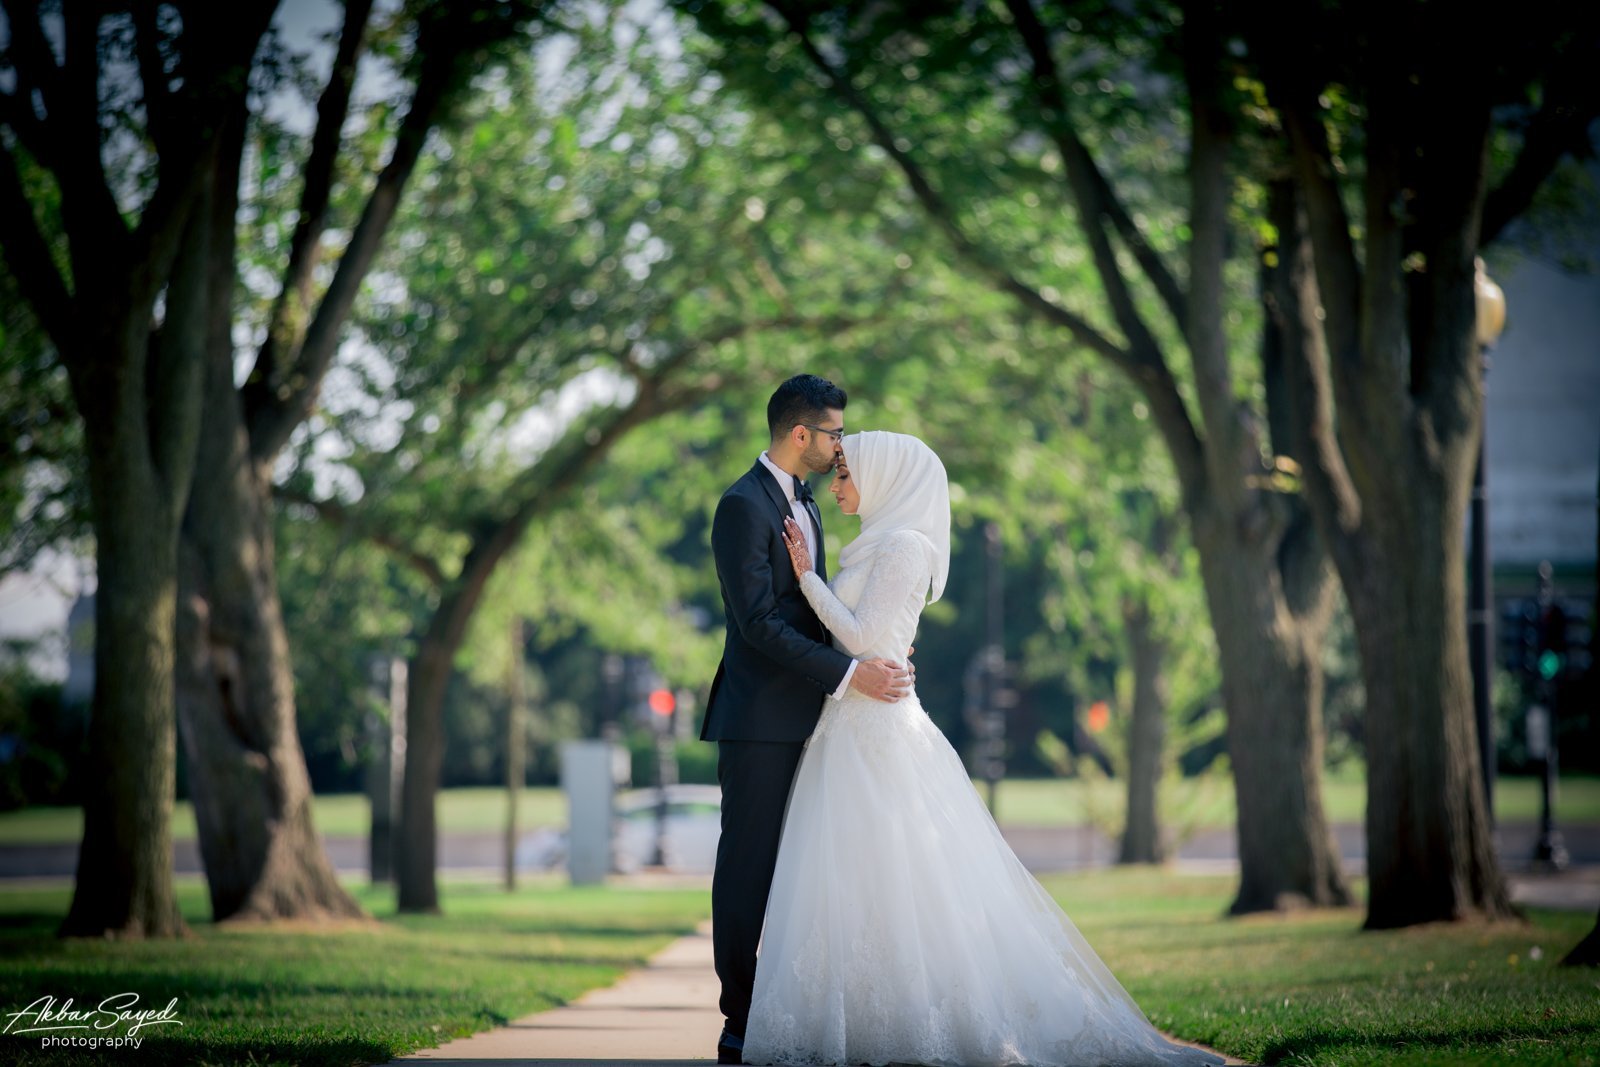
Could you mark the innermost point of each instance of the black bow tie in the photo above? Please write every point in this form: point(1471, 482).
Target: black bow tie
point(802, 491)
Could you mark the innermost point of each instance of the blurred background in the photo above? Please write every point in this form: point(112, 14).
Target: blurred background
point(432, 394)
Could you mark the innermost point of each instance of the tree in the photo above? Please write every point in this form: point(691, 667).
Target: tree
point(1380, 303)
point(894, 83)
point(1124, 609)
point(125, 306)
point(236, 702)
point(628, 294)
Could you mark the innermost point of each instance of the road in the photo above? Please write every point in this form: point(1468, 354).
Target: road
point(1043, 850)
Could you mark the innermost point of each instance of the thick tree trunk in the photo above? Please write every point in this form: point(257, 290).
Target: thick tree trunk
point(235, 686)
point(1430, 849)
point(124, 879)
point(1272, 686)
point(1391, 338)
point(1142, 840)
point(247, 773)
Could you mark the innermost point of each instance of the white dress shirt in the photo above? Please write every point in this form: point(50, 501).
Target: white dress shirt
point(785, 482)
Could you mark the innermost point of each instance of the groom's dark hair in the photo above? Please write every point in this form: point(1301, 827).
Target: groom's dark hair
point(805, 398)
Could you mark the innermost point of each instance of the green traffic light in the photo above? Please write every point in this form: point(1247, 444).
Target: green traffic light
point(1549, 664)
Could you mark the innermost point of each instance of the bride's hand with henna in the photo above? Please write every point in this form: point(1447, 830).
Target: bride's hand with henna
point(794, 539)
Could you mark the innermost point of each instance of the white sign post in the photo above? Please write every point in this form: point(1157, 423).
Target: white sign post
point(587, 779)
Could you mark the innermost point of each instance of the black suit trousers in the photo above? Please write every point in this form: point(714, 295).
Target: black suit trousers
point(755, 777)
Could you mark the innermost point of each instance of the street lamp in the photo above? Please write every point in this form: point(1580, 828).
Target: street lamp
point(1491, 319)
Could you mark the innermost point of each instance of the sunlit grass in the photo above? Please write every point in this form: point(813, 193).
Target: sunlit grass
point(1308, 988)
point(337, 815)
point(1312, 988)
point(1069, 801)
point(359, 994)
point(1022, 802)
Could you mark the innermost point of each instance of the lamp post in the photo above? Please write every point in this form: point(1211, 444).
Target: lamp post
point(1491, 319)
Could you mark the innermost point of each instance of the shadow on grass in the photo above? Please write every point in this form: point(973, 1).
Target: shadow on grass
point(155, 986)
point(1319, 1047)
point(519, 927)
point(311, 1052)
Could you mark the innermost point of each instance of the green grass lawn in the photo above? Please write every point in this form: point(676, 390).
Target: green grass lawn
point(353, 996)
point(337, 815)
point(1312, 988)
point(1209, 801)
point(1022, 802)
point(1301, 989)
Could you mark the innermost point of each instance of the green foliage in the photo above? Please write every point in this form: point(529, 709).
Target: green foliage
point(40, 741)
point(43, 479)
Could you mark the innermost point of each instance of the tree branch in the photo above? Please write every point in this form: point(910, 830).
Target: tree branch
point(153, 73)
point(1292, 303)
point(940, 212)
point(32, 56)
point(30, 262)
point(1560, 128)
point(1096, 198)
point(1141, 363)
point(286, 325)
point(89, 213)
point(1357, 378)
point(282, 405)
point(341, 516)
point(16, 111)
point(1211, 140)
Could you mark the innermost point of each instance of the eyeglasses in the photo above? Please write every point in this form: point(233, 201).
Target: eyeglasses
point(837, 435)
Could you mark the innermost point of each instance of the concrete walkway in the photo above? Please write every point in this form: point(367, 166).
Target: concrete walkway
point(662, 1015)
point(665, 1013)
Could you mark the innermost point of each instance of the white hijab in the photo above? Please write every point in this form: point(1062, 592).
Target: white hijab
point(903, 486)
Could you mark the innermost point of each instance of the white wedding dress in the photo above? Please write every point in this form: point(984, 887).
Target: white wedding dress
point(901, 927)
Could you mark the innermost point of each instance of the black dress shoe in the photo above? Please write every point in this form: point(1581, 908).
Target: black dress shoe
point(730, 1048)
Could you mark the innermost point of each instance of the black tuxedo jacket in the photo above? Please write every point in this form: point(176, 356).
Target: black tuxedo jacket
point(776, 663)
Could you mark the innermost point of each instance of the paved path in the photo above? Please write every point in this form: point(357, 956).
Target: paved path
point(663, 1015)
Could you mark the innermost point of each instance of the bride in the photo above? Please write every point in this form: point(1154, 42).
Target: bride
point(901, 927)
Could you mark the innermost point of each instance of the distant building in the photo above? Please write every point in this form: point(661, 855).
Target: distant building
point(79, 686)
point(1543, 427)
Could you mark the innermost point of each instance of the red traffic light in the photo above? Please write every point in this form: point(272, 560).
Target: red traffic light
point(1099, 716)
point(662, 702)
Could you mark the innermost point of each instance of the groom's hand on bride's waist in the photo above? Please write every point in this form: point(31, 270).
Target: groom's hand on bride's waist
point(882, 679)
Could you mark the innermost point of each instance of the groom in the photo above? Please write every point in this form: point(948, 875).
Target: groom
point(777, 666)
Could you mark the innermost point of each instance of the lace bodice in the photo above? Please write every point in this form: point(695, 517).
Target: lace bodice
point(872, 608)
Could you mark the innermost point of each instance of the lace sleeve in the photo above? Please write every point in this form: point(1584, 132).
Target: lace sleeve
point(899, 569)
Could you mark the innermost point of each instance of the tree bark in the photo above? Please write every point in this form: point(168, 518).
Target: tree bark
point(124, 877)
point(252, 793)
point(1272, 686)
point(138, 391)
point(235, 686)
point(1389, 484)
point(1142, 840)
point(137, 379)
point(264, 858)
point(427, 681)
point(1430, 849)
